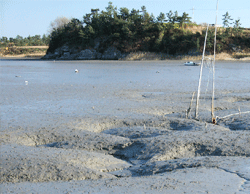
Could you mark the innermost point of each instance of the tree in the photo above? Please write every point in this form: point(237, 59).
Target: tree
point(170, 17)
point(111, 10)
point(226, 19)
point(237, 23)
point(94, 11)
point(58, 23)
point(45, 39)
point(176, 17)
point(143, 9)
point(161, 17)
point(145, 16)
point(18, 40)
point(184, 19)
point(124, 13)
point(4, 41)
point(236, 29)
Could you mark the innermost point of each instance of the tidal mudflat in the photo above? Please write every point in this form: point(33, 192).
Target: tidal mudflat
point(121, 127)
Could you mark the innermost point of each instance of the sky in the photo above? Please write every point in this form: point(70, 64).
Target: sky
point(33, 17)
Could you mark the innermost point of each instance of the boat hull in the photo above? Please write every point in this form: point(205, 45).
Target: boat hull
point(191, 64)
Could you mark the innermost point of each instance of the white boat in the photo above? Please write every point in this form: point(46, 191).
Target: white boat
point(191, 63)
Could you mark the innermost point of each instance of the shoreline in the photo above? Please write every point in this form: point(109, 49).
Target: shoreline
point(143, 56)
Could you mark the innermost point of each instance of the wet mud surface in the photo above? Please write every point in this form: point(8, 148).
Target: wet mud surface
point(118, 127)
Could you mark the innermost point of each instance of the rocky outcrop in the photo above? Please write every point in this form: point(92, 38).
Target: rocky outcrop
point(87, 54)
point(67, 53)
point(112, 53)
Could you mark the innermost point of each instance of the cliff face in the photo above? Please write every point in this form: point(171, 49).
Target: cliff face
point(67, 53)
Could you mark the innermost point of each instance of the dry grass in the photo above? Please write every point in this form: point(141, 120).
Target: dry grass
point(195, 29)
point(39, 47)
point(220, 56)
point(140, 56)
point(23, 51)
point(31, 55)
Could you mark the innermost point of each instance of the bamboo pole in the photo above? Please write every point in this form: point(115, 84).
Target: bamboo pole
point(199, 86)
point(215, 32)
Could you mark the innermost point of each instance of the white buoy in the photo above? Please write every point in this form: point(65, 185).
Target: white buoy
point(26, 83)
point(76, 70)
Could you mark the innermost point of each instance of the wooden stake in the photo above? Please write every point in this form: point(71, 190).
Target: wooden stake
point(215, 32)
point(190, 106)
point(199, 86)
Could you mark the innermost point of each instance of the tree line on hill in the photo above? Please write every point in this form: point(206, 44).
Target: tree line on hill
point(137, 30)
point(134, 30)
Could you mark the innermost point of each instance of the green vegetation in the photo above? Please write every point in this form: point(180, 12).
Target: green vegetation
point(36, 40)
point(138, 31)
point(126, 30)
point(20, 45)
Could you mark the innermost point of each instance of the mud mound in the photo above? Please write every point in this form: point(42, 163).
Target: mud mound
point(24, 163)
point(78, 154)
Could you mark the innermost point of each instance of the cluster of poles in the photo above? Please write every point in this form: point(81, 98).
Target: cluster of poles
point(213, 117)
point(213, 68)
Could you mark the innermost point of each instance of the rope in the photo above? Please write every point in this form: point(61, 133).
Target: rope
point(239, 113)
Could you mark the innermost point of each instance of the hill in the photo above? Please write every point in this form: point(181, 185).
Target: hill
point(113, 34)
